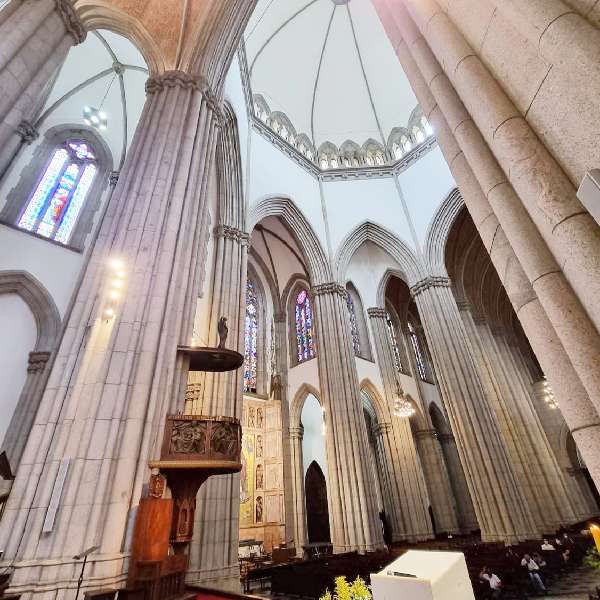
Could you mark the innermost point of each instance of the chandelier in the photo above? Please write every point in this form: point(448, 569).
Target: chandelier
point(402, 406)
point(549, 397)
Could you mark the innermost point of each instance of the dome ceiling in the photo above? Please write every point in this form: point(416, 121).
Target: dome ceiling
point(329, 67)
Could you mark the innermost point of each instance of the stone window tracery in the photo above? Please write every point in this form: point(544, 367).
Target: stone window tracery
point(303, 319)
point(251, 339)
point(60, 193)
point(353, 325)
point(418, 352)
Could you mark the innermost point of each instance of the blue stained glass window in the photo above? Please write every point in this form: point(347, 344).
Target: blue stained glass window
point(250, 338)
point(353, 325)
point(304, 327)
point(60, 194)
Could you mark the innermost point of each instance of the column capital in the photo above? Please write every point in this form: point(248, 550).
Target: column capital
point(463, 305)
point(445, 437)
point(296, 433)
point(232, 233)
point(429, 282)
point(198, 83)
point(377, 313)
point(37, 361)
point(73, 23)
point(426, 433)
point(382, 428)
point(328, 288)
point(27, 131)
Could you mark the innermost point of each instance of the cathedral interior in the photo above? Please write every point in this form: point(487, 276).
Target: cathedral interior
point(288, 287)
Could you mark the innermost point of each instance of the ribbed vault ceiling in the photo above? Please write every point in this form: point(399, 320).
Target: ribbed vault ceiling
point(329, 66)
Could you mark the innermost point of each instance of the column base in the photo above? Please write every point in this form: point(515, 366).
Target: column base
point(51, 578)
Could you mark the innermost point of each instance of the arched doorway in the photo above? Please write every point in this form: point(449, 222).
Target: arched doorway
point(317, 512)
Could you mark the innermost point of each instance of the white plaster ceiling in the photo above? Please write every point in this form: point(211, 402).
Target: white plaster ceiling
point(329, 66)
point(122, 101)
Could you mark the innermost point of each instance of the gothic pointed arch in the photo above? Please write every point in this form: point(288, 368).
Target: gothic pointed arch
point(389, 242)
point(358, 324)
point(298, 401)
point(434, 249)
point(99, 14)
point(378, 404)
point(300, 229)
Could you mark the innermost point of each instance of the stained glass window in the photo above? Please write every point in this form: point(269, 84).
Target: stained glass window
point(394, 344)
point(250, 338)
point(416, 344)
point(304, 327)
point(353, 325)
point(61, 191)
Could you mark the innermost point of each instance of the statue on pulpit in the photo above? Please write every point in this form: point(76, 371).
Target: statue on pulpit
point(222, 330)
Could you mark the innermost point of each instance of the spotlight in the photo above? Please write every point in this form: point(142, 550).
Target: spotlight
point(114, 295)
point(109, 313)
point(117, 264)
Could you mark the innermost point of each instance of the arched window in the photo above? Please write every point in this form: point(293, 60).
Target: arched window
point(394, 344)
point(334, 162)
point(406, 143)
point(251, 339)
point(418, 135)
point(309, 155)
point(379, 158)
point(369, 159)
point(397, 150)
point(353, 325)
point(419, 355)
point(324, 163)
point(426, 126)
point(59, 195)
point(304, 327)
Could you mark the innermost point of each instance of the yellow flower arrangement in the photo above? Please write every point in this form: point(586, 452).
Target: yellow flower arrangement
point(358, 590)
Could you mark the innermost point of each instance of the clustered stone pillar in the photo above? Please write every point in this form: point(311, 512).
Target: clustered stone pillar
point(35, 40)
point(502, 511)
point(115, 378)
point(214, 550)
point(24, 415)
point(407, 494)
point(441, 495)
point(532, 458)
point(351, 497)
point(519, 255)
point(298, 495)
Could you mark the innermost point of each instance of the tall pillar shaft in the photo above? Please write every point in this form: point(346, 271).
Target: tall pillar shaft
point(547, 327)
point(34, 42)
point(493, 192)
point(408, 498)
point(351, 497)
point(441, 494)
point(101, 417)
point(298, 493)
point(501, 509)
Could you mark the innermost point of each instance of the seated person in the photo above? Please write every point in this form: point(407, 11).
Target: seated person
point(533, 570)
point(546, 546)
point(493, 580)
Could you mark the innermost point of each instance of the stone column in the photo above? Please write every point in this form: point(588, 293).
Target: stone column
point(34, 42)
point(441, 494)
point(491, 191)
point(465, 513)
point(298, 493)
point(501, 509)
point(547, 327)
point(115, 377)
point(408, 499)
point(351, 495)
point(24, 415)
point(532, 457)
point(215, 548)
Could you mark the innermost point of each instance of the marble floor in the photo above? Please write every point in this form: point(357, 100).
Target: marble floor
point(577, 585)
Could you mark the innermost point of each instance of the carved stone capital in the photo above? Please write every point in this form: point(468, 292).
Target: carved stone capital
point(426, 434)
point(328, 288)
point(463, 305)
point(377, 313)
point(113, 178)
point(231, 233)
point(173, 79)
point(37, 361)
point(382, 428)
point(73, 23)
point(429, 282)
point(478, 318)
point(445, 438)
point(297, 433)
point(27, 131)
